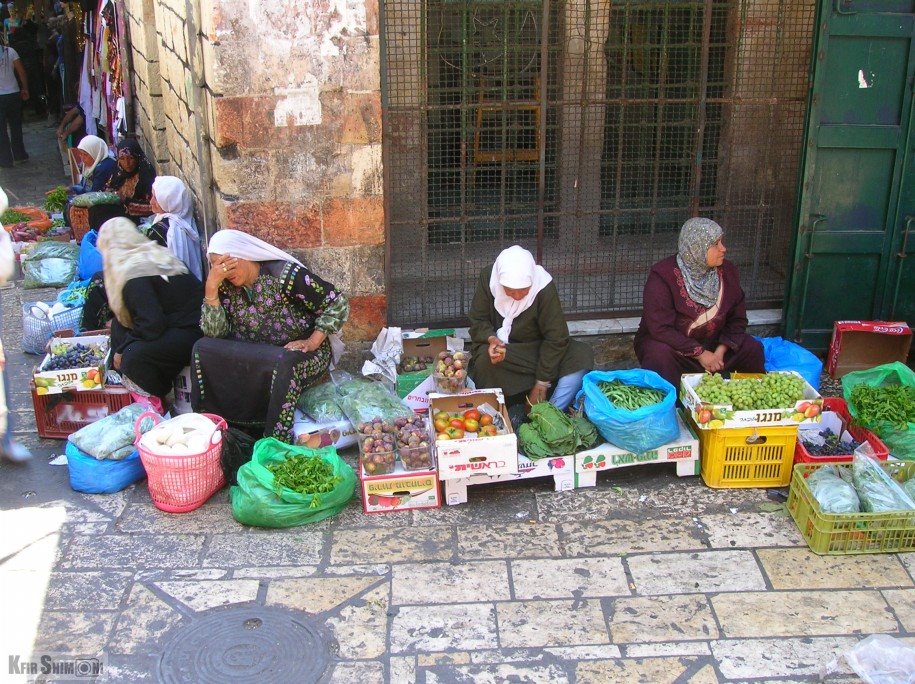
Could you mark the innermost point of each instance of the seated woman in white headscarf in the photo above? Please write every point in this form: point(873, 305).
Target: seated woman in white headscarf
point(173, 224)
point(694, 318)
point(96, 165)
point(520, 340)
point(271, 331)
point(156, 307)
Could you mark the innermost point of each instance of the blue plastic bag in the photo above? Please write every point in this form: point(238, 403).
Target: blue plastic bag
point(784, 355)
point(102, 476)
point(90, 259)
point(635, 431)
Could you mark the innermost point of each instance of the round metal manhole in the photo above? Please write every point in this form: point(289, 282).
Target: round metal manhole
point(245, 644)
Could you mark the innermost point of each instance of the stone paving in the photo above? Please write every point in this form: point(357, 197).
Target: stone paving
point(647, 577)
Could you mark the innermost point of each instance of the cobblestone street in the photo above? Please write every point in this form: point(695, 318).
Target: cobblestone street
point(647, 577)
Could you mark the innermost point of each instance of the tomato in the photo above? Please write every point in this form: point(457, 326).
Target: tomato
point(441, 424)
point(485, 420)
point(471, 425)
point(457, 423)
point(704, 416)
point(812, 410)
point(489, 430)
point(454, 433)
point(472, 414)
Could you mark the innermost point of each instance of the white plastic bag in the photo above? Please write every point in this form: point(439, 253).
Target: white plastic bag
point(386, 351)
point(882, 659)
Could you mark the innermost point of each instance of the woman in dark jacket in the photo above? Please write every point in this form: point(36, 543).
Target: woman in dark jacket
point(156, 306)
point(694, 318)
point(520, 340)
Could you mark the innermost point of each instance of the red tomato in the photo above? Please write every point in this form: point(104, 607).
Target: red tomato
point(472, 414)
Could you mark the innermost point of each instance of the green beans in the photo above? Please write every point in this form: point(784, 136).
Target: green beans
point(629, 397)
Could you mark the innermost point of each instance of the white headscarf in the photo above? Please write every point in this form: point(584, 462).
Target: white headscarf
point(248, 247)
point(515, 268)
point(183, 238)
point(97, 149)
point(128, 254)
point(245, 246)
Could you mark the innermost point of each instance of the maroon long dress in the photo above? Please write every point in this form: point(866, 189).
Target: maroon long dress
point(665, 343)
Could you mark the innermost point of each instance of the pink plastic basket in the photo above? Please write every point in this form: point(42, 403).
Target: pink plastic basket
point(178, 484)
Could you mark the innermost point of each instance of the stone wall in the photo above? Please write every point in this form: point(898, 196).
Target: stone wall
point(293, 90)
point(168, 72)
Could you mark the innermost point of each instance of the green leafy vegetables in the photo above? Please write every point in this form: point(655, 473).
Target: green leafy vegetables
point(305, 475)
point(11, 216)
point(551, 432)
point(56, 200)
point(630, 397)
point(893, 404)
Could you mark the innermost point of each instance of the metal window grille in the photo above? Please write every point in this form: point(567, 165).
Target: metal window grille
point(587, 131)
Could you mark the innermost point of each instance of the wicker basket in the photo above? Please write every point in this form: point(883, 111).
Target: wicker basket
point(79, 222)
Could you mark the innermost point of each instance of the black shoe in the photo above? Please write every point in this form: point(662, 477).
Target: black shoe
point(21, 161)
point(6, 166)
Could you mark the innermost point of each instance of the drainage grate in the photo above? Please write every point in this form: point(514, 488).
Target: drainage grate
point(245, 644)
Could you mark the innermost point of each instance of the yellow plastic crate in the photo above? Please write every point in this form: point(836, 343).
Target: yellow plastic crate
point(835, 534)
point(747, 457)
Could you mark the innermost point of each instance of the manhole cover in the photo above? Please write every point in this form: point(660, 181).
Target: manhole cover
point(245, 644)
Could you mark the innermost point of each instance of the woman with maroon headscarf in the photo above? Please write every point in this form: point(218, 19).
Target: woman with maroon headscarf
point(694, 318)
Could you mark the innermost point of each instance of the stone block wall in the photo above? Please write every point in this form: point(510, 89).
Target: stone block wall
point(167, 71)
point(293, 94)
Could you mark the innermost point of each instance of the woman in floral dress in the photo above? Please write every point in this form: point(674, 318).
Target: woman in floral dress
point(270, 329)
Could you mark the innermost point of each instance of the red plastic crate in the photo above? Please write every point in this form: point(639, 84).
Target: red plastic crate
point(57, 416)
point(860, 434)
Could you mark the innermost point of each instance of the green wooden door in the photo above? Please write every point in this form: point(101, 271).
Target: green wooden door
point(857, 184)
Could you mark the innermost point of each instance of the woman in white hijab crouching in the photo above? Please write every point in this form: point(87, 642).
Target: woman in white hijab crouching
point(519, 337)
point(173, 225)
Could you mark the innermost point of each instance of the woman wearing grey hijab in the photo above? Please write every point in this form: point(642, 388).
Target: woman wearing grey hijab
point(694, 317)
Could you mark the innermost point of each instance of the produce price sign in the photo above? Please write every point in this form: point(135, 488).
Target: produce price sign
point(804, 404)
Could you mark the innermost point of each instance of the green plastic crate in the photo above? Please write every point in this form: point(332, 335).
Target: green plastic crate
point(847, 533)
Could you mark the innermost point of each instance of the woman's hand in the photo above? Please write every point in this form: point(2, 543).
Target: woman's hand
point(496, 350)
point(711, 361)
point(537, 393)
point(311, 344)
point(221, 268)
point(116, 362)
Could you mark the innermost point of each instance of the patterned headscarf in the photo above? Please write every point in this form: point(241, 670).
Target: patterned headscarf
point(128, 254)
point(702, 282)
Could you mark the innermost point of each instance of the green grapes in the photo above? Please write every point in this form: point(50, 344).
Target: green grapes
point(771, 391)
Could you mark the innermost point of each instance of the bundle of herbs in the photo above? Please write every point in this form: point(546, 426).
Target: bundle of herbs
point(305, 475)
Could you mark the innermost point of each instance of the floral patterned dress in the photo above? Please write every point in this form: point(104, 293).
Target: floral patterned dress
point(241, 370)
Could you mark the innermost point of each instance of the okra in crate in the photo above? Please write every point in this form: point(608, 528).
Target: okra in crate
point(849, 533)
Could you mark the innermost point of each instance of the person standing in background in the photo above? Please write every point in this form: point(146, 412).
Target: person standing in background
point(12, 95)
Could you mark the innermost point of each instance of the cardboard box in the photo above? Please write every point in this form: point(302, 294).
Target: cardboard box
point(684, 451)
point(400, 491)
point(339, 434)
point(418, 346)
point(461, 458)
point(79, 379)
point(561, 469)
point(857, 345)
point(724, 415)
point(414, 388)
